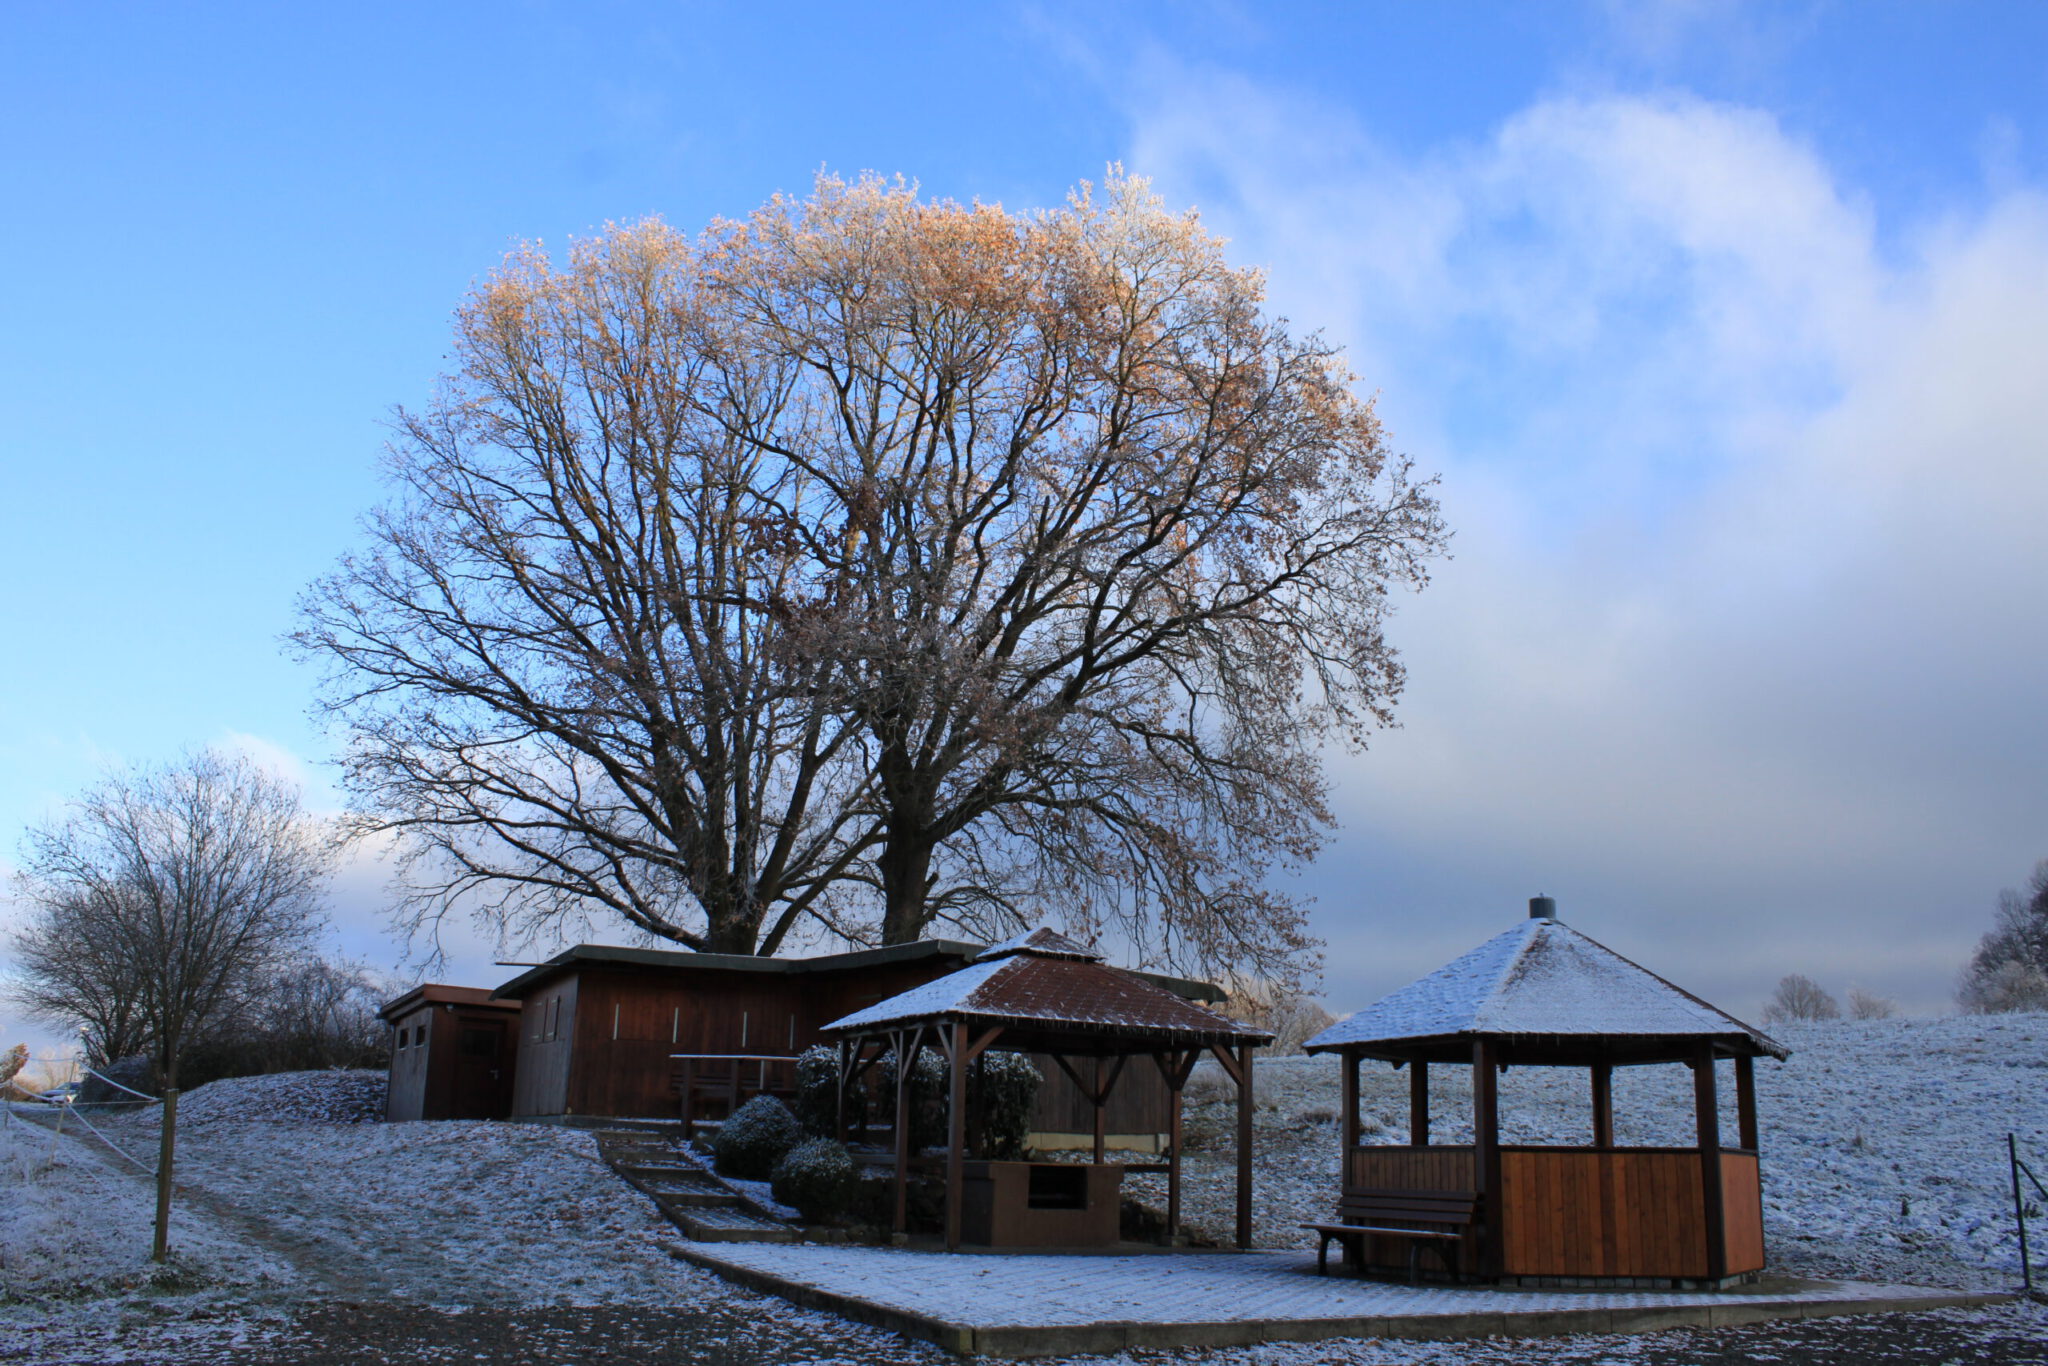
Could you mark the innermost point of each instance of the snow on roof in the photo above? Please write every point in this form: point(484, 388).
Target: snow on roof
point(1048, 942)
point(1053, 990)
point(1541, 977)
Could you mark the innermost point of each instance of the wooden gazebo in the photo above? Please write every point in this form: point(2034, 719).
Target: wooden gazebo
point(1544, 995)
point(1043, 993)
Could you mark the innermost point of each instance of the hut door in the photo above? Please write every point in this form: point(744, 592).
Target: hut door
point(483, 1078)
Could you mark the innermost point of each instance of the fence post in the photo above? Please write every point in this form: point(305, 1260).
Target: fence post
point(2019, 1210)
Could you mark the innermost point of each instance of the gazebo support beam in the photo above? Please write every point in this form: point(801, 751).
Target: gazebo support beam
point(1486, 1153)
point(1418, 1103)
point(1603, 1105)
point(1349, 1118)
point(956, 1129)
point(1745, 1101)
point(907, 1044)
point(1707, 1106)
point(1237, 1064)
point(1175, 1067)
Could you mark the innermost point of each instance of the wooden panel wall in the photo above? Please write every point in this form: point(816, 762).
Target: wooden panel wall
point(547, 1041)
point(1742, 1198)
point(1602, 1212)
point(1401, 1168)
point(1138, 1103)
point(405, 1094)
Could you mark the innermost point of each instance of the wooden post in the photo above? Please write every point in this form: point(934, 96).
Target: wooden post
point(845, 1066)
point(905, 1045)
point(1603, 1105)
point(1418, 1103)
point(1244, 1146)
point(167, 1142)
point(1173, 1132)
point(1348, 1121)
point(1707, 1107)
point(1486, 1155)
point(1097, 1096)
point(1745, 1102)
point(956, 1135)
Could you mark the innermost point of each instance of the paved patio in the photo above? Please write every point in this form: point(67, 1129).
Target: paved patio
point(1053, 1304)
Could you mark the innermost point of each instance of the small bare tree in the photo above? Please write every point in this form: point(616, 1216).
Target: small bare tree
point(189, 882)
point(1799, 997)
point(2009, 970)
point(1868, 1005)
point(1292, 1015)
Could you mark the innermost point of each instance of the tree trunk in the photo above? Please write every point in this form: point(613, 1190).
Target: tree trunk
point(905, 866)
point(166, 1152)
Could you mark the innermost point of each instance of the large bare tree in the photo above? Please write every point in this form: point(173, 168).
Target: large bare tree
point(1110, 552)
point(986, 564)
point(186, 885)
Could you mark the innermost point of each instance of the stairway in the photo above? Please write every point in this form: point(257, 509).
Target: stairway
point(690, 1197)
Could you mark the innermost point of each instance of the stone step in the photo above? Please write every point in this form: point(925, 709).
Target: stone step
point(732, 1226)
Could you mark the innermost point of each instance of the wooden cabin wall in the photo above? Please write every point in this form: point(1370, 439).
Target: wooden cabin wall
point(547, 1039)
point(1138, 1103)
point(405, 1092)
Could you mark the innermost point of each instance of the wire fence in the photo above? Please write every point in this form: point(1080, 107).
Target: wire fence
point(68, 1108)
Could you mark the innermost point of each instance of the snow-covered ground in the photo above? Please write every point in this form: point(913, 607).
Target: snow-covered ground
point(1883, 1160)
point(1883, 1141)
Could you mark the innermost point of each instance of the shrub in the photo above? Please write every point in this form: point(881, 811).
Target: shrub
point(757, 1136)
point(927, 1096)
point(817, 1093)
point(1001, 1090)
point(817, 1178)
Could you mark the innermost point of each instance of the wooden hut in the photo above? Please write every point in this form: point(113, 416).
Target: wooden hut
point(454, 1051)
point(652, 1033)
point(1044, 995)
point(1544, 995)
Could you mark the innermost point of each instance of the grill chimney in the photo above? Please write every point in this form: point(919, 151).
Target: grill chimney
point(1542, 908)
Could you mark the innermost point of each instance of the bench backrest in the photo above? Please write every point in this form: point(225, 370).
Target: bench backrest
point(1358, 1206)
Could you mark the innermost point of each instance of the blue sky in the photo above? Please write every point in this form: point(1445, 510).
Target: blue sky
point(1723, 324)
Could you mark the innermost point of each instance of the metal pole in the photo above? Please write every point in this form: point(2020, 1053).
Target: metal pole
point(2019, 1211)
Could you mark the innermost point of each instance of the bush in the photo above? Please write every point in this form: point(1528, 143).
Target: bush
point(817, 1178)
point(817, 1093)
point(757, 1136)
point(928, 1082)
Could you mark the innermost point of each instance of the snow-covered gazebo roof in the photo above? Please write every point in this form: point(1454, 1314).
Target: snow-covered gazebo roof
point(1059, 995)
point(1548, 994)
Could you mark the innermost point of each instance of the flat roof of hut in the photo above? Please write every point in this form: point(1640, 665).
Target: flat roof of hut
point(1041, 992)
point(1543, 994)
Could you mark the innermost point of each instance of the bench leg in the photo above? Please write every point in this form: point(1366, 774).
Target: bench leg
point(1323, 1255)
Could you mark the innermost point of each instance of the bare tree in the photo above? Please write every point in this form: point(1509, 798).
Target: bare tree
point(2009, 970)
point(1799, 997)
point(1111, 551)
point(996, 563)
point(74, 970)
point(1866, 1005)
point(1292, 1015)
point(564, 659)
point(192, 880)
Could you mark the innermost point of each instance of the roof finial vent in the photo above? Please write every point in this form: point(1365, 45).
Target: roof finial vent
point(1542, 908)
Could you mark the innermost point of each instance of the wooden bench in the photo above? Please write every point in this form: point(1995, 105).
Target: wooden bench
point(1440, 1219)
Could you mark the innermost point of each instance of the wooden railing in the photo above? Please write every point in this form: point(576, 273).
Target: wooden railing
point(730, 1078)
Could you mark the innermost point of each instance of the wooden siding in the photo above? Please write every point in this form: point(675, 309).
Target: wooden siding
point(1585, 1211)
point(405, 1094)
point(547, 1038)
point(1387, 1167)
point(1742, 1197)
point(1602, 1212)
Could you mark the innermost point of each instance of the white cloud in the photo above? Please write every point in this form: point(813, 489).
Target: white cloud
point(1740, 651)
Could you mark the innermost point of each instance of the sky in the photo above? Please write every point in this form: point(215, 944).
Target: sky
point(1722, 324)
